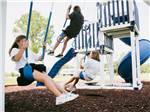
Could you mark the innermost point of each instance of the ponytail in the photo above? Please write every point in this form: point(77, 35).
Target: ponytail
point(15, 45)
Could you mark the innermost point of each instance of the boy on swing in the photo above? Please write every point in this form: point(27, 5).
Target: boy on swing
point(76, 22)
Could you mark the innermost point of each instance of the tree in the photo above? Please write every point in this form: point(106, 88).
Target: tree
point(37, 29)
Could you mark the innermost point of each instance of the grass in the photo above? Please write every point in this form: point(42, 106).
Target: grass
point(9, 80)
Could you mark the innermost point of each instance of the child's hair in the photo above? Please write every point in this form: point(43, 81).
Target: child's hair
point(15, 45)
point(77, 9)
point(95, 55)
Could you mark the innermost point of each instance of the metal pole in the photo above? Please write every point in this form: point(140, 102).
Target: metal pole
point(3, 8)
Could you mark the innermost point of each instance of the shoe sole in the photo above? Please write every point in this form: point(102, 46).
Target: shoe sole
point(73, 98)
point(59, 103)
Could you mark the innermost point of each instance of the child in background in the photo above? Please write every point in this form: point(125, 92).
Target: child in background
point(17, 54)
point(76, 22)
point(88, 70)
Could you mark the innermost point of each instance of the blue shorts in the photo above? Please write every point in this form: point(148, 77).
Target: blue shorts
point(82, 75)
point(61, 37)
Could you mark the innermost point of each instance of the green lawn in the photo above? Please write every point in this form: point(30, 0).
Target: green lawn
point(9, 80)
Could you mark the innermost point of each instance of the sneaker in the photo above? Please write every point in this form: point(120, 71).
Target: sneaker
point(71, 96)
point(59, 56)
point(61, 99)
point(50, 52)
point(65, 98)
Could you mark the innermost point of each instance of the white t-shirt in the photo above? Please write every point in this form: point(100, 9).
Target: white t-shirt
point(32, 58)
point(91, 67)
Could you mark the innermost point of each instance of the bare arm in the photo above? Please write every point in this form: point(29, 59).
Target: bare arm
point(81, 67)
point(68, 11)
point(18, 56)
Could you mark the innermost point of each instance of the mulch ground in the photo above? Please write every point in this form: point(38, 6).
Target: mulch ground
point(40, 100)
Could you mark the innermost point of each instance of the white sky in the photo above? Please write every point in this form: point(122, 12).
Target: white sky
point(16, 8)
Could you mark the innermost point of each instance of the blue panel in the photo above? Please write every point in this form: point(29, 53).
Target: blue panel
point(126, 40)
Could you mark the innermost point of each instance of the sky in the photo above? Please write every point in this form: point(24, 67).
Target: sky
point(16, 8)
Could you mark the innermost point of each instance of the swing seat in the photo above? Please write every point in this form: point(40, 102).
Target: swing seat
point(92, 83)
point(27, 71)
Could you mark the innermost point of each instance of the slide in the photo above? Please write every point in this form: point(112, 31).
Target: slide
point(125, 66)
point(57, 66)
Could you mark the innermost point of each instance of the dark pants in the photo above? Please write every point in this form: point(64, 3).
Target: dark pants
point(22, 81)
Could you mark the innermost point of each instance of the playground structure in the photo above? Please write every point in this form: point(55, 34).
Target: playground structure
point(120, 22)
point(116, 19)
point(144, 46)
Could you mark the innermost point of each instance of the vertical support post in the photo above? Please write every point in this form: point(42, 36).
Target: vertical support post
point(127, 6)
point(86, 42)
point(105, 15)
point(93, 27)
point(138, 60)
point(123, 16)
point(133, 58)
point(82, 35)
point(97, 32)
point(101, 15)
point(131, 12)
point(118, 15)
point(113, 8)
point(110, 67)
point(75, 42)
point(109, 15)
point(102, 75)
point(89, 33)
point(3, 11)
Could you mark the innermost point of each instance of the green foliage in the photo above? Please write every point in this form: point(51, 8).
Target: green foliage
point(115, 65)
point(145, 68)
point(37, 29)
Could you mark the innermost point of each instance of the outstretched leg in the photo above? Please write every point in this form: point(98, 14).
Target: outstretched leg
point(48, 82)
point(59, 39)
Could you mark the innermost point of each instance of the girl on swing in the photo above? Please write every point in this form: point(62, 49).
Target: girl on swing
point(17, 54)
point(89, 68)
point(76, 22)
